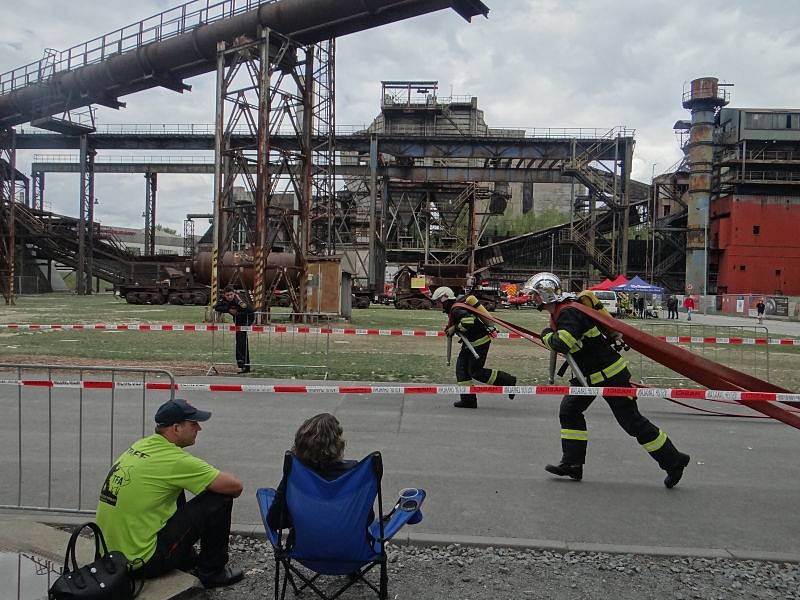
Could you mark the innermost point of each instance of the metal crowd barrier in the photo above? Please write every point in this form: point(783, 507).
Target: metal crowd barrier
point(299, 352)
point(753, 359)
point(58, 442)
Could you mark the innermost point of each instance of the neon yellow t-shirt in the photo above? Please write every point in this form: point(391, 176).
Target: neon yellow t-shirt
point(141, 490)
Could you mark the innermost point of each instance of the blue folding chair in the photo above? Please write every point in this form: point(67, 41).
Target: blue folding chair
point(331, 533)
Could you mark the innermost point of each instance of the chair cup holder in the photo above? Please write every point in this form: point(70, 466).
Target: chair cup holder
point(409, 501)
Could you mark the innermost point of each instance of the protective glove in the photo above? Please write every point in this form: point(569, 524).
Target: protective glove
point(450, 331)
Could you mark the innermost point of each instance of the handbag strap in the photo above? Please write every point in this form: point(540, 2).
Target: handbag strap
point(99, 540)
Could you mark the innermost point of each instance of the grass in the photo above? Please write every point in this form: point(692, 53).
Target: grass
point(364, 358)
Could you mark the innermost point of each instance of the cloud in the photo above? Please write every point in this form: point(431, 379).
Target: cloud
point(533, 63)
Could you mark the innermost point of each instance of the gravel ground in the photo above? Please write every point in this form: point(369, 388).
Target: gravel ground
point(464, 572)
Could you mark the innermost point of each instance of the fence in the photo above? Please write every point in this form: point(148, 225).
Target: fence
point(297, 351)
point(753, 359)
point(69, 435)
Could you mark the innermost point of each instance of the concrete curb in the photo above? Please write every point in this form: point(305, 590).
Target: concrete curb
point(437, 539)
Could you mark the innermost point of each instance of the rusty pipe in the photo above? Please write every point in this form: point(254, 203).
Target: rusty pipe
point(169, 62)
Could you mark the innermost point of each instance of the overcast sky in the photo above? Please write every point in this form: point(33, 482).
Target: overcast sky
point(533, 63)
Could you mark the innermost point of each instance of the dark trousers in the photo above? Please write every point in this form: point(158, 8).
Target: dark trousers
point(574, 435)
point(242, 350)
point(469, 368)
point(207, 518)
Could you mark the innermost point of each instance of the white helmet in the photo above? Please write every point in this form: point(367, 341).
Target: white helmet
point(440, 294)
point(544, 287)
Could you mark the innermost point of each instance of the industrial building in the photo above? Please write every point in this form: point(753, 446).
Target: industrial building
point(428, 184)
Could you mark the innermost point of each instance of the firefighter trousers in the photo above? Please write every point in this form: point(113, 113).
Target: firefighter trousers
point(469, 368)
point(575, 436)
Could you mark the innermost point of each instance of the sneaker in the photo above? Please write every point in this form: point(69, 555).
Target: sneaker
point(563, 469)
point(674, 475)
point(225, 576)
point(466, 404)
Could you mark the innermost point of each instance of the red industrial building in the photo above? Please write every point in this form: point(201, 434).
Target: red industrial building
point(755, 221)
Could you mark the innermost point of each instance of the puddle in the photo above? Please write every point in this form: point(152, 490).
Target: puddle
point(26, 576)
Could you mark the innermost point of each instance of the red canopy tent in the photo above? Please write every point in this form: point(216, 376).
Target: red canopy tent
point(608, 284)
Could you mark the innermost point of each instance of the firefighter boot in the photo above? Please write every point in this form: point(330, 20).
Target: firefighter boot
point(467, 401)
point(513, 382)
point(675, 473)
point(563, 469)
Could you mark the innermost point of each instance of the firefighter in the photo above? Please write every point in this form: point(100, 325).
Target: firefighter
point(571, 331)
point(479, 334)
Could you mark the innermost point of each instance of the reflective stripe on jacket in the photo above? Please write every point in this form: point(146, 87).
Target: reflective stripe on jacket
point(577, 334)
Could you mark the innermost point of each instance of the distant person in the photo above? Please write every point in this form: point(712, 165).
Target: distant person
point(760, 308)
point(672, 307)
point(243, 316)
point(640, 306)
point(143, 510)
point(688, 304)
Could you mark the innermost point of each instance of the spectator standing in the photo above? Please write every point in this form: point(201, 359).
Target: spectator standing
point(672, 307)
point(688, 304)
point(640, 306)
point(143, 511)
point(760, 308)
point(243, 316)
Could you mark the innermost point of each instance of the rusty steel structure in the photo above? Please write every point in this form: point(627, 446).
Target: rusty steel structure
point(231, 37)
point(166, 49)
point(704, 98)
point(7, 214)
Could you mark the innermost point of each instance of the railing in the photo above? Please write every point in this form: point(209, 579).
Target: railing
point(208, 129)
point(68, 434)
point(575, 236)
point(759, 154)
point(170, 23)
point(75, 159)
point(763, 176)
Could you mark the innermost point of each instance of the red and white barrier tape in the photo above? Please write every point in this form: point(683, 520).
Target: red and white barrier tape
point(437, 390)
point(300, 329)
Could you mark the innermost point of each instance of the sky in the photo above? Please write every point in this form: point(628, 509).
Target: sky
point(532, 63)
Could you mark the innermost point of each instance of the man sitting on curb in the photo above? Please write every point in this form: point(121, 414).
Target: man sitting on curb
point(143, 510)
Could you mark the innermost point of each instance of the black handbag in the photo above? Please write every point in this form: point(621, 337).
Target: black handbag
point(108, 577)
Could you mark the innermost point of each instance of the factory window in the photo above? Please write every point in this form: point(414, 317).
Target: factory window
point(742, 268)
point(667, 208)
point(788, 121)
point(759, 120)
point(756, 229)
point(777, 271)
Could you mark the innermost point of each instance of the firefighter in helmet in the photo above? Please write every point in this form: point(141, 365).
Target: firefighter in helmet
point(596, 355)
point(479, 334)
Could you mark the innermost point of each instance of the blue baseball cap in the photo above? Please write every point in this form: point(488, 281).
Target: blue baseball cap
point(177, 410)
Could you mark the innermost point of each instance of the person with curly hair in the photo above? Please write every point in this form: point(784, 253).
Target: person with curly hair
point(319, 445)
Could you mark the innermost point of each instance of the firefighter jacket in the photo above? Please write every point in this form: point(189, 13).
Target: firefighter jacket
point(577, 334)
point(468, 324)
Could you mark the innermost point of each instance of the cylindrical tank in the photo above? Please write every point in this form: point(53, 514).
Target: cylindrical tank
point(242, 263)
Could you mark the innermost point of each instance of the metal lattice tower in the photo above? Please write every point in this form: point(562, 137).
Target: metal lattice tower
point(7, 209)
point(282, 94)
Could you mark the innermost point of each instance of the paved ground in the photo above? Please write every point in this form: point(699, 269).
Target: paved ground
point(482, 469)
